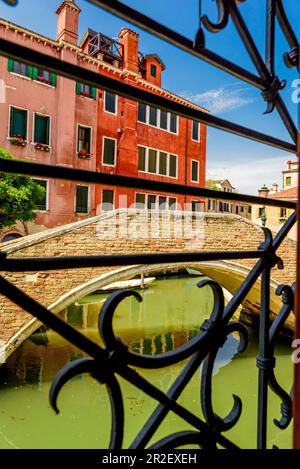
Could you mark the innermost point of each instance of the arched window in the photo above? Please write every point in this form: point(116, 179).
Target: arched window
point(11, 237)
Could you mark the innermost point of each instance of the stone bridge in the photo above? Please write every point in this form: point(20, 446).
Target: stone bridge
point(132, 232)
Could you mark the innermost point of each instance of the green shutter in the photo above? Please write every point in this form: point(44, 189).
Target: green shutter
point(78, 87)
point(35, 73)
point(29, 71)
point(93, 92)
point(53, 78)
point(41, 129)
point(10, 65)
point(18, 122)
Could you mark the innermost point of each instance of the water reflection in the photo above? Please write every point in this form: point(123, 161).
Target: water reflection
point(162, 322)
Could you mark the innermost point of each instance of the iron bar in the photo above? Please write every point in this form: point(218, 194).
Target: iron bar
point(264, 361)
point(11, 264)
point(30, 56)
point(173, 37)
point(72, 174)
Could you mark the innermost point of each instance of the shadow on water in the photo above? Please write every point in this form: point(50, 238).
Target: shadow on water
point(163, 321)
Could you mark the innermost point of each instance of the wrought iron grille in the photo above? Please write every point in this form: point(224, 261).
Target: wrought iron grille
point(115, 358)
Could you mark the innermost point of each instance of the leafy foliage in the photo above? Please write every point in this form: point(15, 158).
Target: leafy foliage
point(18, 196)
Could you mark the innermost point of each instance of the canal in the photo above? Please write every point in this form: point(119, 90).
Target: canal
point(169, 315)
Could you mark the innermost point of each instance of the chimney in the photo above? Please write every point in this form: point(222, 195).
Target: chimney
point(263, 191)
point(67, 23)
point(275, 187)
point(130, 41)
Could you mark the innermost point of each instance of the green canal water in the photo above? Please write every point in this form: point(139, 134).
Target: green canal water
point(170, 314)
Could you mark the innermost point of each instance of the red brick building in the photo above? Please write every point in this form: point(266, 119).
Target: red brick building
point(53, 120)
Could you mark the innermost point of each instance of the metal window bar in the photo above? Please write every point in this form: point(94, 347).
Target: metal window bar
point(114, 357)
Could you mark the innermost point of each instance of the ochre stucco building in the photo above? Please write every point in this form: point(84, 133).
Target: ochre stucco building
point(50, 119)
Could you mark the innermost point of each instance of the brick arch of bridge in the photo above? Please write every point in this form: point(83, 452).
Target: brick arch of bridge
point(131, 232)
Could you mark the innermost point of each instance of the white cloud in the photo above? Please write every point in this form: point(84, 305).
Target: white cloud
point(248, 176)
point(220, 100)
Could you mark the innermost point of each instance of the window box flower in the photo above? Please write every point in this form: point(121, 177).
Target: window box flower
point(17, 140)
point(44, 80)
point(42, 146)
point(84, 154)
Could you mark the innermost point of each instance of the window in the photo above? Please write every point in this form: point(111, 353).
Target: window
point(41, 129)
point(249, 209)
point(11, 237)
point(84, 139)
point(196, 131)
point(109, 151)
point(163, 120)
point(157, 162)
point(18, 67)
point(283, 213)
point(152, 202)
point(86, 90)
point(44, 76)
point(157, 118)
point(242, 209)
point(153, 70)
point(18, 122)
point(173, 123)
point(172, 203)
point(153, 116)
point(107, 199)
point(196, 206)
point(237, 209)
point(110, 102)
point(173, 166)
point(260, 212)
point(140, 200)
point(82, 199)
point(142, 112)
point(195, 171)
point(288, 180)
point(142, 159)
point(42, 202)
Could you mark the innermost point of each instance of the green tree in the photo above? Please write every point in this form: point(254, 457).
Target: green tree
point(18, 196)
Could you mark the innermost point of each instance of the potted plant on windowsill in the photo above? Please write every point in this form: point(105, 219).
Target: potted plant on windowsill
point(42, 146)
point(87, 94)
point(17, 140)
point(44, 80)
point(84, 154)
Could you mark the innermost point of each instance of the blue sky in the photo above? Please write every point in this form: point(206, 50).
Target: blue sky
point(247, 164)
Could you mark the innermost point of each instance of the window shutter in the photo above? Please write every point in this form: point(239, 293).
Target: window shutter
point(35, 73)
point(29, 71)
point(93, 92)
point(10, 65)
point(53, 78)
point(78, 87)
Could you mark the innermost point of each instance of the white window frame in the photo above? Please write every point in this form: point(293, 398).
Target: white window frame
point(77, 135)
point(114, 198)
point(157, 196)
point(198, 170)
point(146, 171)
point(115, 155)
point(88, 199)
point(198, 132)
point(168, 129)
point(9, 117)
point(33, 142)
point(47, 194)
point(109, 112)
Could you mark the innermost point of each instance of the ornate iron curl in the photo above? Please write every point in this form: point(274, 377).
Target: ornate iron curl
point(116, 357)
point(287, 294)
point(217, 423)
